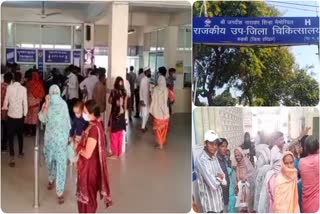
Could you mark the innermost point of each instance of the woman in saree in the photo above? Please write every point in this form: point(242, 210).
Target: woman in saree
point(285, 187)
point(92, 163)
point(245, 174)
point(55, 115)
point(35, 93)
point(160, 111)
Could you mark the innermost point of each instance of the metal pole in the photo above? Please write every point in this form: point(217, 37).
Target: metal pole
point(36, 169)
point(195, 91)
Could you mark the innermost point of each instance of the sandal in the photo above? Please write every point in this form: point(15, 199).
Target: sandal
point(60, 199)
point(50, 185)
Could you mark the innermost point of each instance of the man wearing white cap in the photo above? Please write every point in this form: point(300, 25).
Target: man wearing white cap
point(210, 175)
point(145, 97)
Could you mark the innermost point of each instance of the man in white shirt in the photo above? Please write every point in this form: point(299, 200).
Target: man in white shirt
point(16, 103)
point(89, 83)
point(145, 98)
point(138, 81)
point(210, 176)
point(72, 90)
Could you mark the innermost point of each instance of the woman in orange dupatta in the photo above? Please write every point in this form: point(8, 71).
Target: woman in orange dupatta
point(35, 93)
point(160, 111)
point(286, 190)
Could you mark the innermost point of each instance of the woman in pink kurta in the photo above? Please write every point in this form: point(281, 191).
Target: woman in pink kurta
point(309, 171)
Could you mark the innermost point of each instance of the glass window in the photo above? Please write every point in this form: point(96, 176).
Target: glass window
point(27, 34)
point(10, 34)
point(56, 34)
point(77, 36)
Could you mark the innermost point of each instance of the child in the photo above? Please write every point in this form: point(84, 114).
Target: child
point(78, 126)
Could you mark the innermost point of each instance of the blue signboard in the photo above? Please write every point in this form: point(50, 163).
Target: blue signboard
point(40, 61)
point(256, 30)
point(57, 56)
point(10, 55)
point(77, 57)
point(26, 55)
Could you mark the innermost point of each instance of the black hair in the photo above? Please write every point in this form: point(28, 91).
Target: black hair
point(131, 68)
point(171, 70)
point(303, 146)
point(7, 77)
point(117, 81)
point(163, 71)
point(102, 76)
point(246, 141)
point(17, 77)
point(222, 140)
point(93, 108)
point(78, 104)
point(140, 71)
point(311, 145)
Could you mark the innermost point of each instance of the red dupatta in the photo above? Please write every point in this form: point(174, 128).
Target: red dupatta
point(82, 187)
point(35, 86)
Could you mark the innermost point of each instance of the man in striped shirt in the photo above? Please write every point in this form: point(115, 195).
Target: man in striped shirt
point(210, 175)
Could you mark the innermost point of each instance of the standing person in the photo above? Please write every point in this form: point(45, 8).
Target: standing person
point(127, 87)
point(247, 147)
point(16, 102)
point(145, 98)
point(245, 174)
point(132, 80)
point(309, 170)
point(92, 163)
point(89, 83)
point(160, 112)
point(100, 94)
point(170, 84)
point(285, 187)
point(221, 155)
point(117, 121)
point(162, 73)
point(210, 176)
point(137, 92)
point(4, 113)
point(72, 89)
point(232, 184)
point(35, 93)
point(55, 115)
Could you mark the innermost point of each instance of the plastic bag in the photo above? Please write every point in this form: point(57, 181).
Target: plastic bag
point(243, 194)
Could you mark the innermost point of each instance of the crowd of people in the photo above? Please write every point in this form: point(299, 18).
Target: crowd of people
point(266, 176)
point(73, 111)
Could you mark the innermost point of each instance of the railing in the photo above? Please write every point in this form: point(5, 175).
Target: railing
point(36, 168)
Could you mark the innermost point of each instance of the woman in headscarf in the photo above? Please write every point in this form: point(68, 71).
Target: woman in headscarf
point(117, 120)
point(285, 188)
point(35, 93)
point(245, 174)
point(263, 166)
point(248, 148)
point(92, 163)
point(309, 170)
point(160, 111)
point(55, 115)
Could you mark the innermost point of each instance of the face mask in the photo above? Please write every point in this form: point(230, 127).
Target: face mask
point(54, 98)
point(85, 117)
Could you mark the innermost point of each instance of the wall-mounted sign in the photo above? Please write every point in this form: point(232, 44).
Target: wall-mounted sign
point(26, 55)
point(57, 56)
point(77, 58)
point(10, 55)
point(89, 56)
point(256, 30)
point(40, 60)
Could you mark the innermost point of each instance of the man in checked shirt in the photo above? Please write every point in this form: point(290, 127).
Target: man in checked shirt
point(210, 175)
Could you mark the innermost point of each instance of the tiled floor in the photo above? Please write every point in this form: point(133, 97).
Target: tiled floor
point(144, 180)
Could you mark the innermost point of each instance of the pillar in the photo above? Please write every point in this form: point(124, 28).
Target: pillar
point(118, 41)
point(88, 45)
point(118, 47)
point(170, 46)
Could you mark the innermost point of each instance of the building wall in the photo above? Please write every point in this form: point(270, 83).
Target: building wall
point(226, 122)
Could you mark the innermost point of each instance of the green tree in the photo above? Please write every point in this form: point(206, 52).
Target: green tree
point(260, 73)
point(225, 99)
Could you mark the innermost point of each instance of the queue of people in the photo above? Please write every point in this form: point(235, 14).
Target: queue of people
point(283, 178)
point(73, 113)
